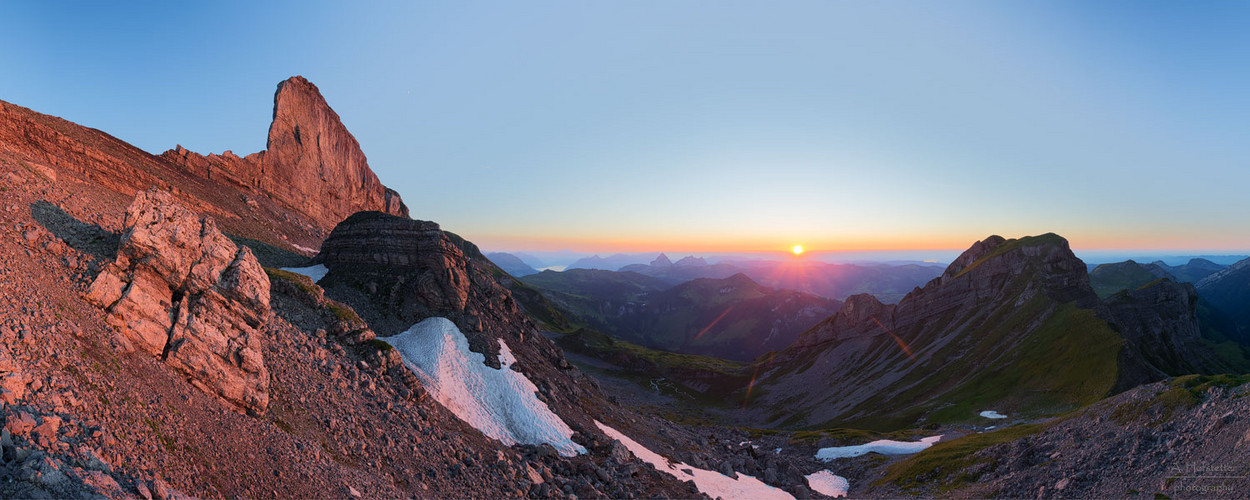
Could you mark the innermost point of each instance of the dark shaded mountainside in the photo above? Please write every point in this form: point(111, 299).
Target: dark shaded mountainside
point(1011, 325)
point(1228, 291)
point(145, 351)
point(732, 318)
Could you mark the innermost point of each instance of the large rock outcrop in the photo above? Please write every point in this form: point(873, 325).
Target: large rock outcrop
point(311, 164)
point(396, 272)
point(1160, 325)
point(183, 292)
point(411, 270)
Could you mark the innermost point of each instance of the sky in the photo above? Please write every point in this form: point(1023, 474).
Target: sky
point(701, 126)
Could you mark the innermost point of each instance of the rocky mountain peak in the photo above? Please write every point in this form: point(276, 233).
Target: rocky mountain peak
point(1046, 260)
point(310, 151)
point(661, 261)
point(312, 164)
point(975, 252)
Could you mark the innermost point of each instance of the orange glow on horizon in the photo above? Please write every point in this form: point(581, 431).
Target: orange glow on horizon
point(798, 249)
point(624, 243)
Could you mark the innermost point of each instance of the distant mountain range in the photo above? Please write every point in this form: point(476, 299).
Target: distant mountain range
point(730, 318)
point(1228, 291)
point(887, 282)
point(609, 263)
point(511, 264)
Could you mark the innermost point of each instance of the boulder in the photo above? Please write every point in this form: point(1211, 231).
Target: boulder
point(183, 292)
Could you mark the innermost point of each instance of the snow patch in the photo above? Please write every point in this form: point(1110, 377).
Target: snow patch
point(883, 446)
point(711, 483)
point(827, 483)
point(500, 403)
point(314, 273)
point(992, 414)
point(304, 249)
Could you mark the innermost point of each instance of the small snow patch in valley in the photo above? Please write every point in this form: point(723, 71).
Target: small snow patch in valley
point(827, 483)
point(314, 273)
point(500, 403)
point(883, 446)
point(711, 483)
point(992, 414)
point(304, 249)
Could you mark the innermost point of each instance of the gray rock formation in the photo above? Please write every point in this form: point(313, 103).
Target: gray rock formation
point(978, 334)
point(181, 291)
point(1159, 323)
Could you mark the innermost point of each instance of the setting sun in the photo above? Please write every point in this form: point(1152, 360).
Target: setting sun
point(798, 249)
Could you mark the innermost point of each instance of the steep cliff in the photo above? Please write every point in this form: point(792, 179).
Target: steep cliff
point(311, 163)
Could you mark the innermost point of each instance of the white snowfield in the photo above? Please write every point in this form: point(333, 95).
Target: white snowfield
point(500, 403)
point(827, 483)
point(711, 483)
point(883, 446)
point(314, 273)
point(992, 414)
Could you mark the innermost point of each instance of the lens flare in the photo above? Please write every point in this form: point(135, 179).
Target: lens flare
point(902, 345)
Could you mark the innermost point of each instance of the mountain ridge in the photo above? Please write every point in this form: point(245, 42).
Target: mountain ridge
point(1015, 306)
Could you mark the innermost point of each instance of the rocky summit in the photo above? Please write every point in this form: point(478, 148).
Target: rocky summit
point(183, 292)
point(311, 162)
point(1011, 324)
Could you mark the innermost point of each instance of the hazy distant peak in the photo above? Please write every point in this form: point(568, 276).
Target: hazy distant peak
point(691, 261)
point(662, 261)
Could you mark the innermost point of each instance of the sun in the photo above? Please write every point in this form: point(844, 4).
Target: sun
point(798, 249)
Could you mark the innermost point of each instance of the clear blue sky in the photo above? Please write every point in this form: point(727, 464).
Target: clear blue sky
point(704, 125)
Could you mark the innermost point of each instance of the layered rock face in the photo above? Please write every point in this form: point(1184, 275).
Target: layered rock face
point(311, 164)
point(183, 292)
point(397, 271)
point(1163, 337)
